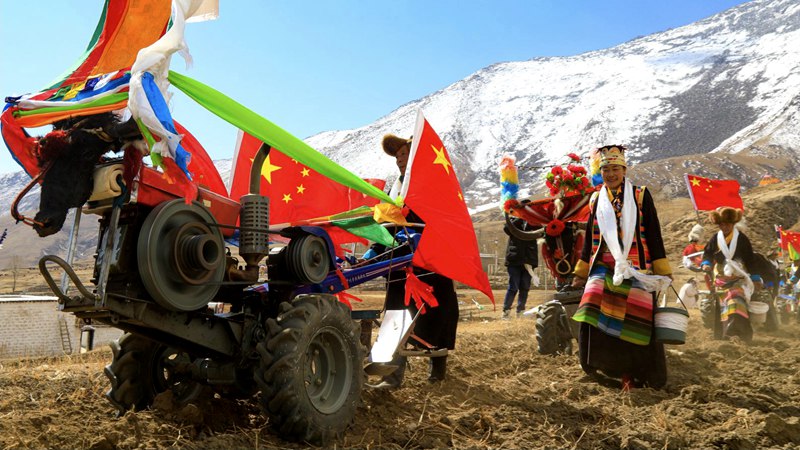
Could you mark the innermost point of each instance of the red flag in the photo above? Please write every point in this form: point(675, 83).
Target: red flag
point(204, 172)
point(708, 194)
point(296, 192)
point(789, 238)
point(431, 189)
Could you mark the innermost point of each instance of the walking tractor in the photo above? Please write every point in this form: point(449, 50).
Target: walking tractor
point(198, 316)
point(161, 257)
point(159, 263)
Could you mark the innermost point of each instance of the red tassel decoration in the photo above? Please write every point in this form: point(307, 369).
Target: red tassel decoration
point(52, 145)
point(345, 298)
point(132, 164)
point(421, 292)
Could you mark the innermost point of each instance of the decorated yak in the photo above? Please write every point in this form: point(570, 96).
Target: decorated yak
point(560, 220)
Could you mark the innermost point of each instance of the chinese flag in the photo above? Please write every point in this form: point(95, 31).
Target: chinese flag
point(708, 194)
point(296, 192)
point(790, 241)
point(431, 189)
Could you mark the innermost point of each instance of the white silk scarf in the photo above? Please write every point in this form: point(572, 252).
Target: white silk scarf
point(607, 222)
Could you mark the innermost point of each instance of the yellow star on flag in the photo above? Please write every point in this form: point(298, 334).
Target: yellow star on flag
point(305, 171)
point(301, 189)
point(441, 158)
point(267, 169)
point(695, 182)
point(287, 198)
point(460, 197)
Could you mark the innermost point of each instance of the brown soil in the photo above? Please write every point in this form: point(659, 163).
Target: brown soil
point(500, 394)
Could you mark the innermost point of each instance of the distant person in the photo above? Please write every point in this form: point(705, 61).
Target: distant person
point(771, 278)
point(729, 255)
point(794, 272)
point(519, 254)
point(688, 293)
point(694, 248)
point(618, 267)
point(437, 326)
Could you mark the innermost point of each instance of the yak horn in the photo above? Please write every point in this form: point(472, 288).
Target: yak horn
point(523, 235)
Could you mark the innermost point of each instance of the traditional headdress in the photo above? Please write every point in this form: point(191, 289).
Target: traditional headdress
point(391, 144)
point(612, 154)
point(603, 156)
point(726, 214)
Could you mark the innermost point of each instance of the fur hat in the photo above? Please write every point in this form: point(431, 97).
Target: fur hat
point(696, 235)
point(612, 154)
point(726, 214)
point(391, 144)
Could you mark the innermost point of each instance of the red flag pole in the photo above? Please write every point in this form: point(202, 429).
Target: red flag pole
point(691, 195)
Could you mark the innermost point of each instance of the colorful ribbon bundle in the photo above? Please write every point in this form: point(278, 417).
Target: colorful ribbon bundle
point(509, 181)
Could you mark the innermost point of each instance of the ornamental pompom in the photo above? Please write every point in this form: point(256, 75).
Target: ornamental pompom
point(509, 181)
point(554, 228)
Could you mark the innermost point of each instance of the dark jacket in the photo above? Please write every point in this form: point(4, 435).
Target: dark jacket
point(744, 253)
point(649, 245)
point(438, 326)
point(520, 252)
point(770, 275)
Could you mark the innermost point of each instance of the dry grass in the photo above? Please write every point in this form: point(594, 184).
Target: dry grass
point(500, 394)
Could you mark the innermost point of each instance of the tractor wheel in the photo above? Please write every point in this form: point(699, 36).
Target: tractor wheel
point(310, 370)
point(142, 369)
point(707, 312)
point(552, 331)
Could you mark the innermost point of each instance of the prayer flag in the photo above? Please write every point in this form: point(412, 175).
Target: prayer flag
point(431, 189)
point(708, 194)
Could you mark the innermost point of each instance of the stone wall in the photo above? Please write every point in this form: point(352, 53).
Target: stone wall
point(31, 326)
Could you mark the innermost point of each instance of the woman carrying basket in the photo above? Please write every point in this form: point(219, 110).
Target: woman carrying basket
point(729, 253)
point(622, 266)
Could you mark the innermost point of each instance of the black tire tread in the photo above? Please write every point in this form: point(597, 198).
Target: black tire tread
point(551, 335)
point(283, 397)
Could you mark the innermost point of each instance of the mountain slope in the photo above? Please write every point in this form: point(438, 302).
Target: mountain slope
point(723, 84)
point(719, 98)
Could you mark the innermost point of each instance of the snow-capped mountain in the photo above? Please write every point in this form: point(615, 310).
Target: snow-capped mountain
point(728, 85)
point(722, 84)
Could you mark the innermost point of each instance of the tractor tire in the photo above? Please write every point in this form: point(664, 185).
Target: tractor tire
point(310, 373)
point(707, 312)
point(142, 369)
point(552, 331)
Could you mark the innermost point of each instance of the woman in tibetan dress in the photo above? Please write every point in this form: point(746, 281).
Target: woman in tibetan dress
point(622, 267)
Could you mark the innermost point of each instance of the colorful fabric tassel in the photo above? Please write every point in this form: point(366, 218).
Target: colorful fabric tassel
point(594, 168)
point(509, 180)
point(345, 298)
point(421, 292)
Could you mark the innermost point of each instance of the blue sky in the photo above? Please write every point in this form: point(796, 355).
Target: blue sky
point(313, 66)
